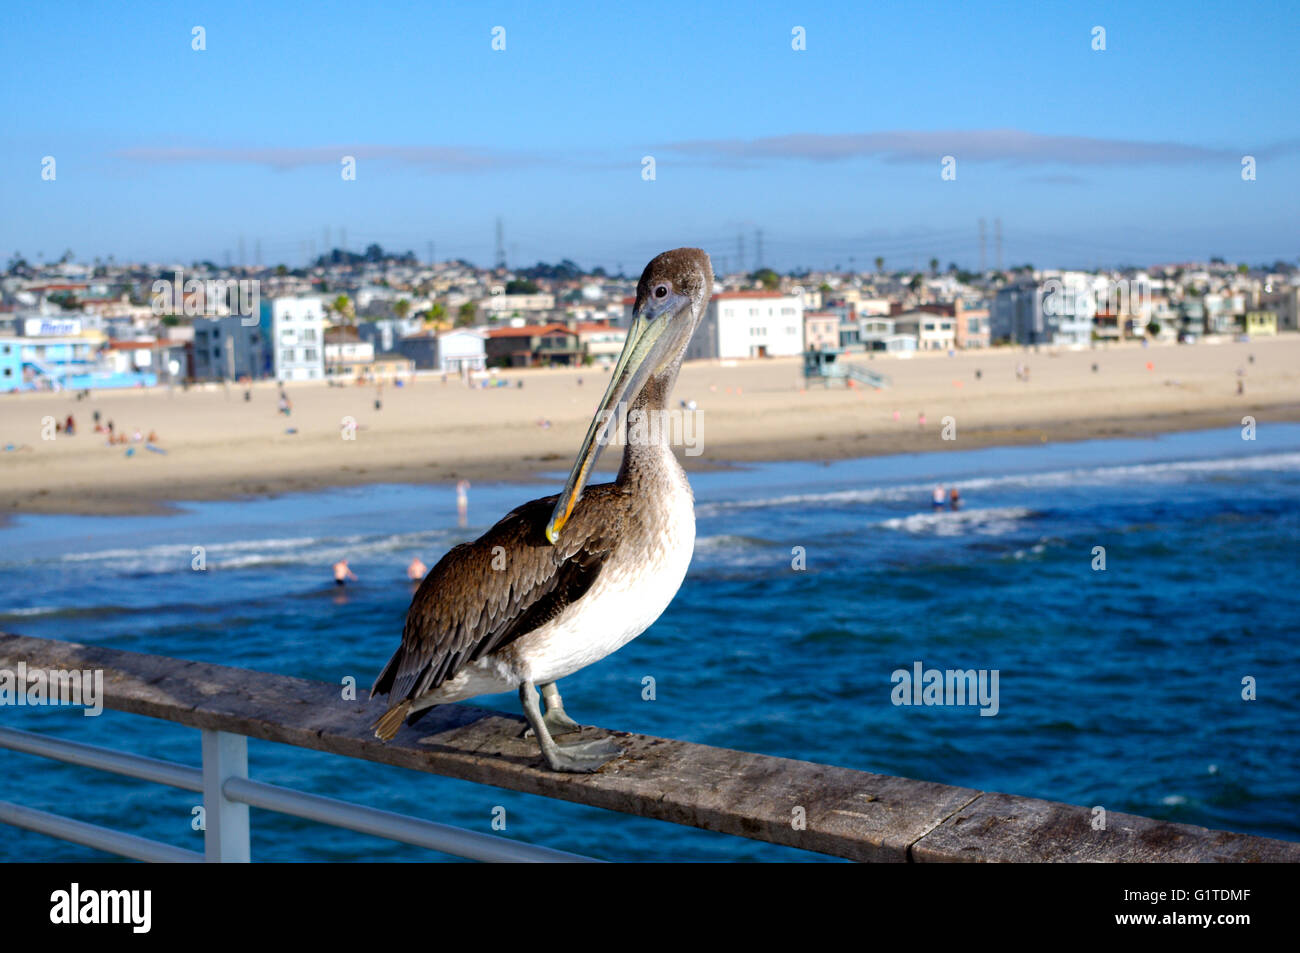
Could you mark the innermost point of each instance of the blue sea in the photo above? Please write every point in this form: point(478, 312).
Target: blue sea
point(1120, 687)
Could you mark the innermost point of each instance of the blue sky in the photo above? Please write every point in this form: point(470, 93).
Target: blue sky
point(1131, 154)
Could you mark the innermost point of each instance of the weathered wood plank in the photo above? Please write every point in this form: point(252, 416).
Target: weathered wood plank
point(1007, 828)
point(851, 814)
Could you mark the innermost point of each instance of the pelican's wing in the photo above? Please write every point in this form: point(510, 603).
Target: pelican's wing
point(485, 594)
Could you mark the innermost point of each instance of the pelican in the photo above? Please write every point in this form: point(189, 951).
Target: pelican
point(565, 580)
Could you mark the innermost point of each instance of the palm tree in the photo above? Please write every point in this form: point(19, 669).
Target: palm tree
point(934, 266)
point(342, 308)
point(880, 265)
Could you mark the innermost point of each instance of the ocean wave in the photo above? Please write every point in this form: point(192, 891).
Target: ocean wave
point(987, 522)
point(1174, 471)
point(244, 553)
point(729, 541)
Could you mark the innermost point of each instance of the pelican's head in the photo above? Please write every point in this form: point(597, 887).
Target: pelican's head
point(671, 297)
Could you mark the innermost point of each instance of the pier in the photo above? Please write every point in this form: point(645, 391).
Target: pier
point(856, 815)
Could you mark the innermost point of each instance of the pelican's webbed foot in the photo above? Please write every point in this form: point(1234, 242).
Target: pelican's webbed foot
point(585, 756)
point(579, 757)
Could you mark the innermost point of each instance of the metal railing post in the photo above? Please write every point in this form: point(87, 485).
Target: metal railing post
point(225, 836)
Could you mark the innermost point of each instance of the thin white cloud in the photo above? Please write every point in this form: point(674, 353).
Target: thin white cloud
point(431, 158)
point(993, 145)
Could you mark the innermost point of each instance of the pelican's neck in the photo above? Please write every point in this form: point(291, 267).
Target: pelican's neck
point(648, 458)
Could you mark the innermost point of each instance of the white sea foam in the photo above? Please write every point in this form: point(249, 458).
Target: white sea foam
point(246, 553)
point(987, 522)
point(1170, 472)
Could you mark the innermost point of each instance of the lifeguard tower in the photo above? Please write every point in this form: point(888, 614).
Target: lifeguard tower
point(825, 366)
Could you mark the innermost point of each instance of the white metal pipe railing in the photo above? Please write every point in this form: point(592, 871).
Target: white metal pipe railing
point(92, 835)
point(103, 759)
point(399, 827)
point(228, 793)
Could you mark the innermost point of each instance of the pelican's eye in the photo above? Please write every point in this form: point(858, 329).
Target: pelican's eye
point(661, 291)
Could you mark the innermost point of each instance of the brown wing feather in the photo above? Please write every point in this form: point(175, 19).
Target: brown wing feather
point(466, 609)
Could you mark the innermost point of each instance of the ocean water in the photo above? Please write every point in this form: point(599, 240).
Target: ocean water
point(1121, 688)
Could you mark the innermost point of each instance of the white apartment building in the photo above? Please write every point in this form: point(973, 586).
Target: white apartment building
point(933, 332)
point(294, 331)
point(740, 324)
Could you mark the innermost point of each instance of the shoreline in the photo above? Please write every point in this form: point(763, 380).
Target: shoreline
point(147, 499)
point(219, 446)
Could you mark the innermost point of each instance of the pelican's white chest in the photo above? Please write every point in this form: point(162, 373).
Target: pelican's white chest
point(637, 582)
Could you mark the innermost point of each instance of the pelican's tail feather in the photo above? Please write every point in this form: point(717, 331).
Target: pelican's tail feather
point(386, 727)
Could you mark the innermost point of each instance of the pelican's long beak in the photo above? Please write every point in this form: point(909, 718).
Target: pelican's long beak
point(642, 352)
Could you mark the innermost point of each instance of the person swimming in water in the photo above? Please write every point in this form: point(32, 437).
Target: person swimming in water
point(954, 500)
point(939, 497)
point(342, 573)
point(416, 570)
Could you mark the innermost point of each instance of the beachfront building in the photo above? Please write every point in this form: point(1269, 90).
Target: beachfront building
point(390, 366)
point(346, 355)
point(51, 352)
point(1260, 323)
point(386, 332)
point(228, 349)
point(601, 342)
point(533, 345)
point(821, 330)
point(1285, 303)
point(11, 365)
point(1223, 312)
point(971, 322)
point(1057, 310)
point(740, 324)
point(930, 330)
point(294, 331)
point(879, 333)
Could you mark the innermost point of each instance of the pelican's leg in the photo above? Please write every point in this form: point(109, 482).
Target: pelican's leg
point(580, 757)
point(556, 718)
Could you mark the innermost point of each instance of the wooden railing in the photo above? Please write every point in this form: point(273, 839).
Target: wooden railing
point(831, 810)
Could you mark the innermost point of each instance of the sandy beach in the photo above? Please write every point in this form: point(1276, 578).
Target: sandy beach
point(220, 446)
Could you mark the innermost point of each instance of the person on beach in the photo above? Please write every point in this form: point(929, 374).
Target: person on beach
point(939, 497)
point(954, 500)
point(285, 406)
point(342, 573)
point(417, 570)
point(462, 501)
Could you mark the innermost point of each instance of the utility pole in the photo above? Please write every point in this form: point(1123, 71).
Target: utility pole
point(758, 248)
point(501, 244)
point(983, 245)
point(740, 251)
